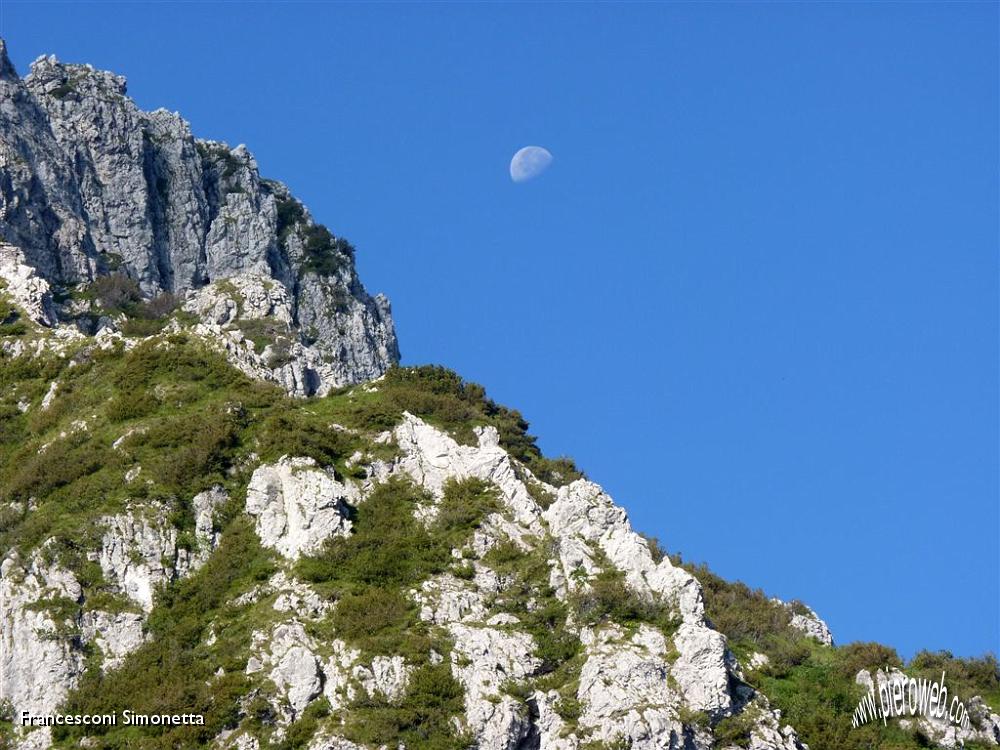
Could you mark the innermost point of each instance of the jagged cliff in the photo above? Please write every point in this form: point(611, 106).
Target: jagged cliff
point(91, 186)
point(392, 564)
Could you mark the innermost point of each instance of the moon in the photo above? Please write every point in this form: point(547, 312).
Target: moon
point(529, 162)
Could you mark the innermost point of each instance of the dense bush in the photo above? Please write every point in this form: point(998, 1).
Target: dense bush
point(747, 616)
point(854, 657)
point(298, 432)
point(117, 293)
point(324, 253)
point(10, 318)
point(114, 292)
point(422, 720)
point(965, 676)
point(463, 508)
point(149, 316)
point(376, 619)
point(388, 547)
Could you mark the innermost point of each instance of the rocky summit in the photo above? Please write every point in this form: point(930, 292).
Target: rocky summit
point(94, 190)
point(224, 507)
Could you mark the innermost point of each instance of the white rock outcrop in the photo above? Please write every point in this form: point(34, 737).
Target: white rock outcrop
point(431, 458)
point(583, 518)
point(446, 599)
point(39, 660)
point(811, 624)
point(26, 288)
point(295, 668)
point(298, 506)
point(116, 634)
point(245, 296)
point(139, 549)
point(483, 660)
point(46, 622)
point(625, 690)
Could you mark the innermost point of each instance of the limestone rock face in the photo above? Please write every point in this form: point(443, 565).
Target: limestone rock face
point(132, 557)
point(813, 626)
point(117, 635)
point(296, 669)
point(139, 549)
point(297, 506)
point(483, 659)
point(246, 296)
point(632, 687)
point(629, 686)
point(91, 185)
point(25, 287)
point(251, 319)
point(39, 661)
point(47, 626)
point(431, 458)
point(584, 519)
point(625, 691)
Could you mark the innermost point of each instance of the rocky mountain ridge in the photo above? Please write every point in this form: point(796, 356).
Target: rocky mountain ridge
point(93, 188)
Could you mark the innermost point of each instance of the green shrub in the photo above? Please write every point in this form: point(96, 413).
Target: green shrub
point(734, 730)
point(62, 90)
point(324, 253)
point(528, 596)
point(387, 548)
point(422, 720)
point(301, 731)
point(114, 292)
point(743, 614)
point(854, 657)
point(568, 708)
point(374, 619)
point(132, 404)
point(442, 398)
point(610, 598)
point(462, 509)
point(965, 676)
point(191, 451)
point(297, 432)
point(10, 319)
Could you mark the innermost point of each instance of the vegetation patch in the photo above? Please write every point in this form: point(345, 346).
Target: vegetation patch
point(118, 294)
point(422, 720)
point(609, 598)
point(814, 685)
point(324, 254)
point(388, 553)
point(183, 666)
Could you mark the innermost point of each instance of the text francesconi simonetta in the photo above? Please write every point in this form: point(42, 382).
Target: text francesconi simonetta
point(128, 719)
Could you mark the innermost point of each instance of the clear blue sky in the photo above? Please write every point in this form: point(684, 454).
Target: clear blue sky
point(755, 296)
